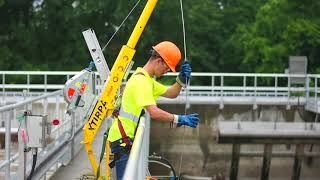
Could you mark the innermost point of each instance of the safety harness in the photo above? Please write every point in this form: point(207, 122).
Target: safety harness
point(125, 139)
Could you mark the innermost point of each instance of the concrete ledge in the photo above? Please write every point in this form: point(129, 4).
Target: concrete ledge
point(268, 132)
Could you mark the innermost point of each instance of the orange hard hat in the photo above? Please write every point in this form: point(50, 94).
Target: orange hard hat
point(169, 52)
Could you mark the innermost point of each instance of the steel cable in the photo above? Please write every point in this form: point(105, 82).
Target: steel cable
point(124, 20)
point(186, 86)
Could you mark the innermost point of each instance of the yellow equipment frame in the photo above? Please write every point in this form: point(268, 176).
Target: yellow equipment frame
point(106, 102)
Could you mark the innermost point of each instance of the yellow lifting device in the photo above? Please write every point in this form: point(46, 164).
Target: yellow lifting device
point(106, 103)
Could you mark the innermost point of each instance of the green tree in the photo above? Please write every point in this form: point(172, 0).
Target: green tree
point(282, 28)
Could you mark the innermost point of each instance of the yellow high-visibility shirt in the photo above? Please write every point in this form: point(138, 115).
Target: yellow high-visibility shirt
point(140, 91)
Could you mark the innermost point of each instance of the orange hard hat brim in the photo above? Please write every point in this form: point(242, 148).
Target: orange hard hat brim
point(172, 68)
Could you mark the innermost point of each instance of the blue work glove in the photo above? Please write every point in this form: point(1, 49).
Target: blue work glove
point(190, 120)
point(185, 74)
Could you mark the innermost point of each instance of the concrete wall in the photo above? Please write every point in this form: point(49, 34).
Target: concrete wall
point(202, 156)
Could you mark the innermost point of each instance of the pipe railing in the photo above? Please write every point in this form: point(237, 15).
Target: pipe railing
point(58, 133)
point(215, 84)
point(5, 110)
point(138, 160)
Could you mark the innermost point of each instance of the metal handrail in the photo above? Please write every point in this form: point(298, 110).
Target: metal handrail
point(59, 133)
point(138, 160)
point(223, 86)
point(137, 163)
point(19, 104)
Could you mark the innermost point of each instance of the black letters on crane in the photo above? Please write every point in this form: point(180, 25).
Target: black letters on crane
point(102, 106)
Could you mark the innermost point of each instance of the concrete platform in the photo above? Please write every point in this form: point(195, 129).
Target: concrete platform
point(80, 165)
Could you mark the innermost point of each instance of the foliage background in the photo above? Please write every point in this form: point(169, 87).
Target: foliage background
point(222, 35)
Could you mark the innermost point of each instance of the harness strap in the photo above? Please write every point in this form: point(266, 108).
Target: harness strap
point(123, 133)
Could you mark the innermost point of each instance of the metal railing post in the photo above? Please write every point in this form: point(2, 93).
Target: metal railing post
point(276, 86)
point(244, 85)
point(221, 85)
point(3, 89)
point(212, 85)
point(316, 89)
point(289, 93)
point(7, 145)
point(45, 83)
point(221, 105)
point(307, 88)
point(22, 159)
point(57, 106)
point(255, 86)
point(255, 93)
point(28, 82)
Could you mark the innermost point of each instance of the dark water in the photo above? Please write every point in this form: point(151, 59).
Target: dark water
point(202, 156)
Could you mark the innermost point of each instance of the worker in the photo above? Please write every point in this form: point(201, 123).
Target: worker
point(141, 93)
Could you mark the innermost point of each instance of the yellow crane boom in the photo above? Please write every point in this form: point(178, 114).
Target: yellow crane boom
point(105, 105)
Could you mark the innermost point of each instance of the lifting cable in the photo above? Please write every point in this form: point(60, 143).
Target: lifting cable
point(186, 87)
point(124, 20)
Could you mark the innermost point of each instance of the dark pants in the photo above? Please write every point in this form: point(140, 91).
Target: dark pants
point(120, 163)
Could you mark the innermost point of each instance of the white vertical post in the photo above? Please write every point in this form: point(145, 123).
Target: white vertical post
point(22, 156)
point(3, 89)
point(255, 86)
point(315, 89)
point(255, 92)
point(212, 84)
point(7, 145)
point(221, 92)
point(289, 89)
point(244, 85)
point(45, 83)
point(276, 86)
point(307, 88)
point(57, 106)
point(222, 84)
point(28, 83)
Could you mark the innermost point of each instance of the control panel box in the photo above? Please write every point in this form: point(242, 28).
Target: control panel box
point(38, 130)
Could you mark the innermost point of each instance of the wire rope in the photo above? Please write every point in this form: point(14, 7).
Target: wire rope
point(124, 20)
point(186, 87)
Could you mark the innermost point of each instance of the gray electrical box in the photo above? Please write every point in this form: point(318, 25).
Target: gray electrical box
point(298, 65)
point(38, 130)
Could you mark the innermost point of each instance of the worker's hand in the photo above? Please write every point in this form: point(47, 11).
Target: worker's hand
point(185, 73)
point(190, 120)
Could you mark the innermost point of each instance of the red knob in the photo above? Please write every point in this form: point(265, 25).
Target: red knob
point(55, 121)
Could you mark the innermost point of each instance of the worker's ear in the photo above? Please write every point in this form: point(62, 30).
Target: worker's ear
point(158, 60)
